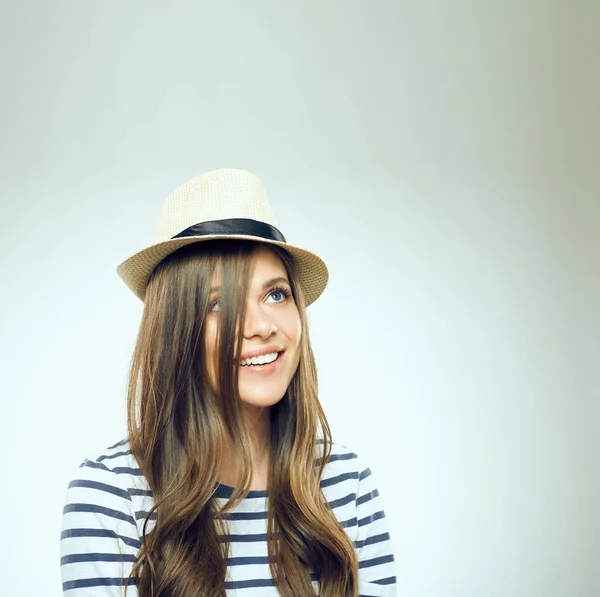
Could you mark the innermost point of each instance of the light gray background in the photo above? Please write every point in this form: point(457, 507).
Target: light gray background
point(442, 157)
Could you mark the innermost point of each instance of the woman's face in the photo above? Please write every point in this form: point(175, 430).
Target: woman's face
point(272, 329)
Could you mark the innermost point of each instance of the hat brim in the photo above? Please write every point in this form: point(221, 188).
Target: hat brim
point(136, 270)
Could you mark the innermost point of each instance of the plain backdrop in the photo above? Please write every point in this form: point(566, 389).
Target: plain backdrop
point(443, 159)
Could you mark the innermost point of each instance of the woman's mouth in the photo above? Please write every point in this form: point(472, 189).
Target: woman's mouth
point(263, 359)
point(265, 364)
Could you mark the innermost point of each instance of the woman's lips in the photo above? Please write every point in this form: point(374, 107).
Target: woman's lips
point(263, 350)
point(266, 368)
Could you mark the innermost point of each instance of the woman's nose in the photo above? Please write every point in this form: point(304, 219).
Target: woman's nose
point(258, 323)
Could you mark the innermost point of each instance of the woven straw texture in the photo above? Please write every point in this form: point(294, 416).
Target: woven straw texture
point(217, 195)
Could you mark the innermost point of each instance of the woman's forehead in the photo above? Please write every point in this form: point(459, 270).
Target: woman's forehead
point(265, 265)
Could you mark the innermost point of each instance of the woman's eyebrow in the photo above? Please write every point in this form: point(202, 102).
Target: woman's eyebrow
point(267, 284)
point(273, 281)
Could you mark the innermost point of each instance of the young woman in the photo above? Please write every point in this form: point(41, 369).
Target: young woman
point(228, 482)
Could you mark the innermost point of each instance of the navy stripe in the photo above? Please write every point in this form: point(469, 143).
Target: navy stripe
point(121, 443)
point(143, 514)
point(364, 474)
point(338, 479)
point(244, 515)
point(140, 492)
point(243, 561)
point(246, 584)
point(126, 470)
point(346, 456)
point(100, 487)
point(367, 497)
point(93, 464)
point(95, 582)
point(371, 518)
point(115, 455)
point(376, 561)
point(134, 471)
point(226, 491)
point(385, 581)
point(334, 457)
point(104, 533)
point(97, 557)
point(370, 540)
point(260, 515)
point(348, 523)
point(94, 508)
point(342, 501)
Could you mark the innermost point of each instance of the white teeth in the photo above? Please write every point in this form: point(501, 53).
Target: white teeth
point(261, 360)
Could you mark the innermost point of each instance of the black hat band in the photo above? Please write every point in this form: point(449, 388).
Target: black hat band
point(245, 226)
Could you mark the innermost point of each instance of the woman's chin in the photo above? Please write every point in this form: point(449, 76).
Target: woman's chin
point(261, 397)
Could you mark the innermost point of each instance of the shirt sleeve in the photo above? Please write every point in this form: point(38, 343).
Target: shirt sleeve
point(99, 541)
point(376, 562)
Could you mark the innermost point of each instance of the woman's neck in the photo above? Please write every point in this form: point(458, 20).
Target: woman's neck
point(258, 425)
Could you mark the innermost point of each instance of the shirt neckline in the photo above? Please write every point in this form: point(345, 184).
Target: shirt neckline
point(226, 491)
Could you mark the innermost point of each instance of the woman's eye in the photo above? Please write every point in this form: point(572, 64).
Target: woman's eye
point(280, 294)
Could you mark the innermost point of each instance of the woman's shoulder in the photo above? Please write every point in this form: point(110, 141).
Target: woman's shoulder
point(112, 465)
point(343, 456)
point(116, 466)
point(345, 468)
point(116, 458)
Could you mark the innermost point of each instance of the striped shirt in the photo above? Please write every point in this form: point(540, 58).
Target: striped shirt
point(108, 499)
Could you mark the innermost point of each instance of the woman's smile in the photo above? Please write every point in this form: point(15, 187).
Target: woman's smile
point(272, 362)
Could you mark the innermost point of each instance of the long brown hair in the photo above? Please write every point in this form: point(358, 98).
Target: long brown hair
point(179, 427)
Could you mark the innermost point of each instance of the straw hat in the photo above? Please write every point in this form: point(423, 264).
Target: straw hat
point(225, 203)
